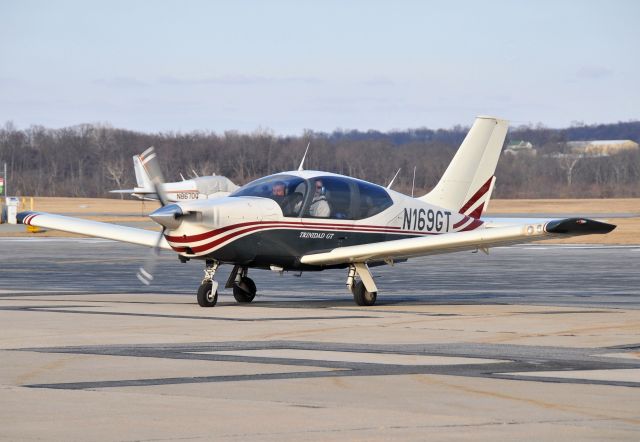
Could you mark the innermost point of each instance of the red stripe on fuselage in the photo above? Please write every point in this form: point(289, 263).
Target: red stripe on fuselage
point(254, 227)
point(303, 225)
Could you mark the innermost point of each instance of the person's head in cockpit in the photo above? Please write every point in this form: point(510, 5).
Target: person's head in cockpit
point(278, 189)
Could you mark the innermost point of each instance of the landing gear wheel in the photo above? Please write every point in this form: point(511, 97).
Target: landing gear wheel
point(245, 290)
point(206, 296)
point(361, 296)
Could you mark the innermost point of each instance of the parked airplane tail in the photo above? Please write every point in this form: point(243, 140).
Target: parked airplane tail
point(467, 184)
point(142, 176)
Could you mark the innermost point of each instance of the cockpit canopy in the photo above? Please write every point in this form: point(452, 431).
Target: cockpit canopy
point(330, 196)
point(286, 190)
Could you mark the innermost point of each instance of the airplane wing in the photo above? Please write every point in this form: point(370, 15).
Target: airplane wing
point(96, 229)
point(458, 241)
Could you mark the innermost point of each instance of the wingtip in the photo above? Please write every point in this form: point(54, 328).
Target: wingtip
point(20, 217)
point(579, 226)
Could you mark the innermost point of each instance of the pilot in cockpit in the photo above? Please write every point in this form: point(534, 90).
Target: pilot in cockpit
point(290, 204)
point(278, 191)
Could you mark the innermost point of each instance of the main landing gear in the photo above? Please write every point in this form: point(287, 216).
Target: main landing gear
point(364, 290)
point(244, 289)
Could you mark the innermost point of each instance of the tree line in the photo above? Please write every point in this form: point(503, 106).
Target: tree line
point(91, 159)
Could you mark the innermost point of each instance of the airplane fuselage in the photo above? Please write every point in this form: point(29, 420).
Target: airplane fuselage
point(253, 228)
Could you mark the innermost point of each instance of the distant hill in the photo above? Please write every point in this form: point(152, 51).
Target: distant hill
point(538, 135)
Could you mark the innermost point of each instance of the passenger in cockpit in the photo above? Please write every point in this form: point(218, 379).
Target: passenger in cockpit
point(319, 205)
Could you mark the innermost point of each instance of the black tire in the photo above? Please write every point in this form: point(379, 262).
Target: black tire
point(361, 296)
point(245, 290)
point(205, 297)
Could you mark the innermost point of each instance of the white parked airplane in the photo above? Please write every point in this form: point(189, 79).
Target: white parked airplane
point(205, 187)
point(310, 220)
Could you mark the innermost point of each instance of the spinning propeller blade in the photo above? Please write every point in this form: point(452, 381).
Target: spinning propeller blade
point(155, 174)
point(145, 272)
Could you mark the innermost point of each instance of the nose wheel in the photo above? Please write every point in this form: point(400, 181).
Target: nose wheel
point(208, 291)
point(207, 296)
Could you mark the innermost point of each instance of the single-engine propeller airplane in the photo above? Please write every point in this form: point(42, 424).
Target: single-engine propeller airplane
point(307, 220)
point(200, 187)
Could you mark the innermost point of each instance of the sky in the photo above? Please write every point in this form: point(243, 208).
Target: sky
point(287, 66)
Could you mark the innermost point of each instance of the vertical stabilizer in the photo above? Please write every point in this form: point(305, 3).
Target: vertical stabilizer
point(467, 183)
point(142, 176)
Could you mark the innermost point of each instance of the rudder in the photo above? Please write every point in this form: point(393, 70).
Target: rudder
point(142, 176)
point(467, 184)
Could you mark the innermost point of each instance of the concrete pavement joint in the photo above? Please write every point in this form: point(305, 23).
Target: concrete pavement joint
point(530, 359)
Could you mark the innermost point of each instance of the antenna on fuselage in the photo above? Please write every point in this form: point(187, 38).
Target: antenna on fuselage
point(300, 167)
point(393, 179)
point(182, 177)
point(195, 173)
point(413, 185)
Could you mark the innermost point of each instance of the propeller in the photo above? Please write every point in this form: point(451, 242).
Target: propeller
point(150, 163)
point(152, 167)
point(147, 269)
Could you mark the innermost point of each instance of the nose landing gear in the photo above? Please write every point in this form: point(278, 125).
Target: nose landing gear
point(208, 290)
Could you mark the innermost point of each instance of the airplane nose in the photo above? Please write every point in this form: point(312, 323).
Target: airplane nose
point(168, 216)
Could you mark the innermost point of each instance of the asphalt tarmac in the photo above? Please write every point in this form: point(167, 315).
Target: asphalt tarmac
point(535, 342)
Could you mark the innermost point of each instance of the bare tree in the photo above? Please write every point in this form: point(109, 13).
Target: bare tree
point(114, 170)
point(568, 163)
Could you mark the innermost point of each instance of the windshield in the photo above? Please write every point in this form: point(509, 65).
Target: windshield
point(288, 191)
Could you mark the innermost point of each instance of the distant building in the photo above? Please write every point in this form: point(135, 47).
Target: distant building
point(601, 148)
point(519, 147)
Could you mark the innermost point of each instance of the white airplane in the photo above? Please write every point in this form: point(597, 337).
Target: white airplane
point(310, 220)
point(206, 187)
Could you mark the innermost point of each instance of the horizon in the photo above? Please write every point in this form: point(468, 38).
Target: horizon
point(270, 131)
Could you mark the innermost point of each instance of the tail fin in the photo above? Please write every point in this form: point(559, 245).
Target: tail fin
point(467, 183)
point(142, 176)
